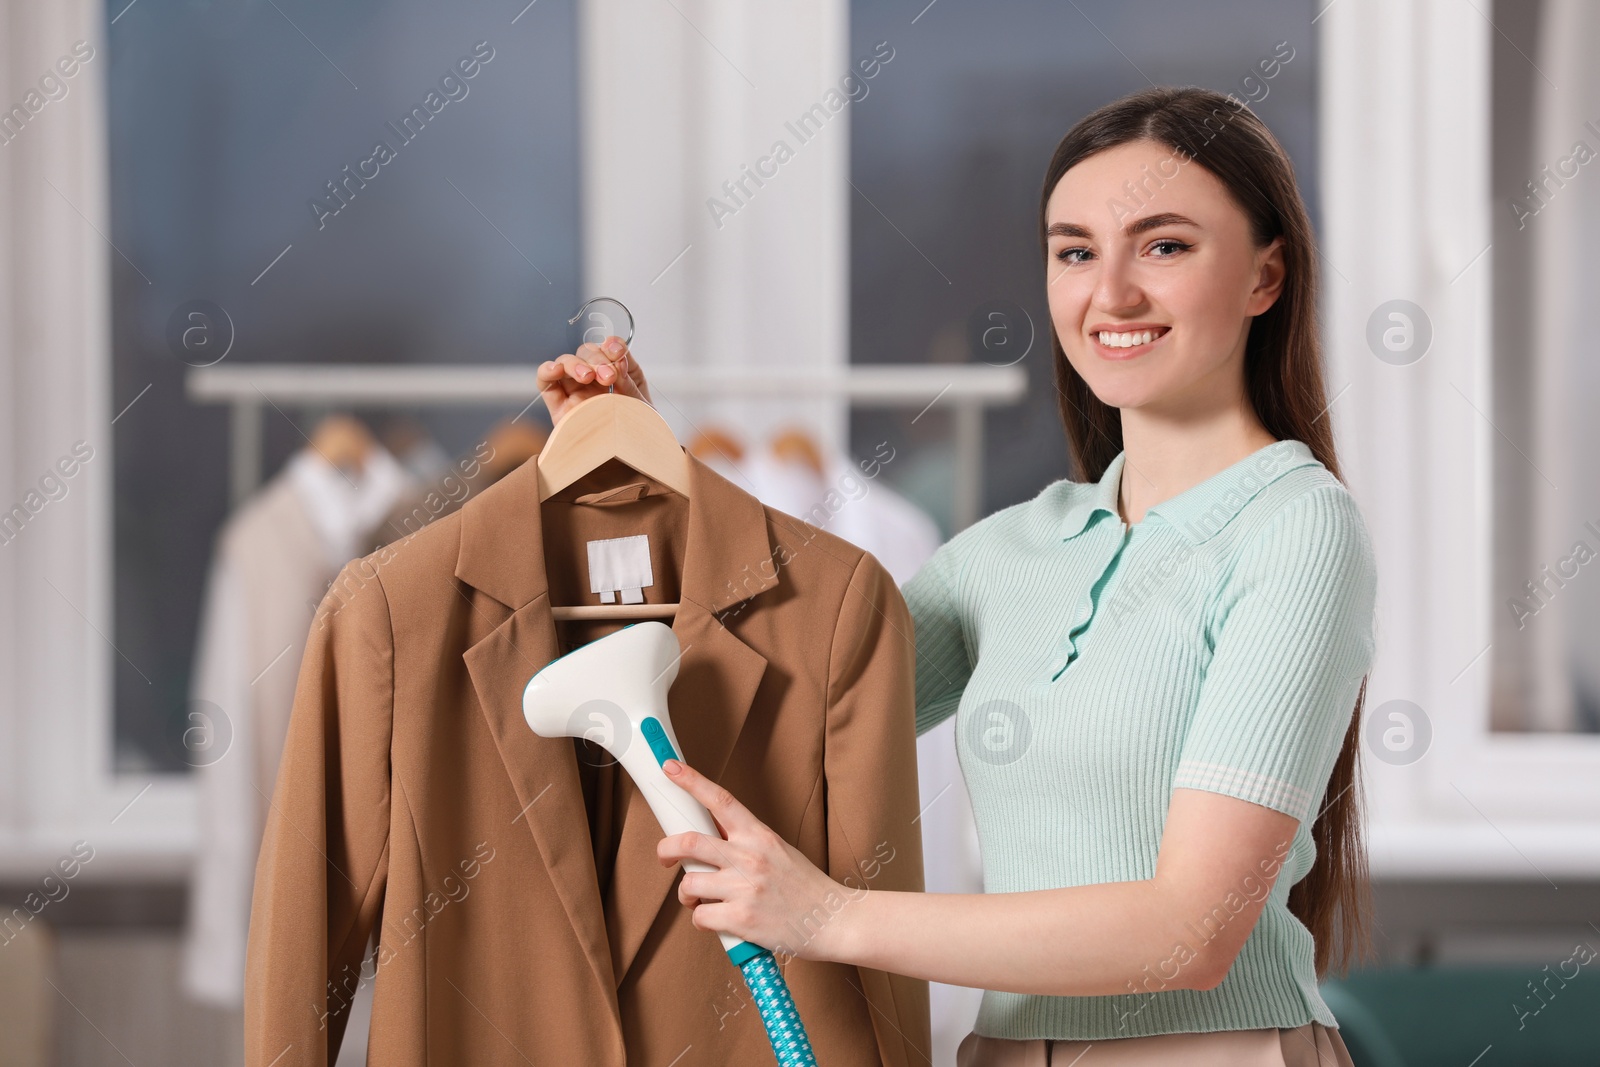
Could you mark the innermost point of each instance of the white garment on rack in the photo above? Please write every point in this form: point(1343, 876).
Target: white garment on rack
point(273, 561)
point(863, 510)
point(786, 484)
point(900, 534)
point(344, 510)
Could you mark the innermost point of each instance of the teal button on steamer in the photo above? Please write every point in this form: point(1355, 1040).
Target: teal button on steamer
point(624, 678)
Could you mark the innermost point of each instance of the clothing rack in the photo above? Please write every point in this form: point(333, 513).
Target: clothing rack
point(247, 389)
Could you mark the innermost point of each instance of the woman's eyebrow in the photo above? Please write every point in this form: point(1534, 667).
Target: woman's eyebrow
point(1137, 226)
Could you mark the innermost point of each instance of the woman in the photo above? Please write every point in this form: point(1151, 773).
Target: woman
point(1157, 673)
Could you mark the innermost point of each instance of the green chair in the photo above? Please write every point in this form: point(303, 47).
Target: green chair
point(1363, 1034)
point(1460, 1016)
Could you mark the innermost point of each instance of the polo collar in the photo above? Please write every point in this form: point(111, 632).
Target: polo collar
point(1200, 512)
point(1093, 499)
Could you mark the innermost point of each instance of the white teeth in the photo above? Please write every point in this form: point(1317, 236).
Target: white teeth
point(1127, 340)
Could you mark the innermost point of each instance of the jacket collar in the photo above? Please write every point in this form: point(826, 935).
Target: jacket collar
point(1200, 512)
point(728, 558)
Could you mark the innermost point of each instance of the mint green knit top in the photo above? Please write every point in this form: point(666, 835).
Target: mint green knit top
point(1093, 667)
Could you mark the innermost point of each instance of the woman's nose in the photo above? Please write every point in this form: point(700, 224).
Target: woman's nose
point(1116, 288)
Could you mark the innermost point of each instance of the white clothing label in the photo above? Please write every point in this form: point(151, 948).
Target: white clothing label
point(620, 564)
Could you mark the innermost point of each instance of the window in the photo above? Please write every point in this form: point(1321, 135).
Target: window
point(295, 182)
point(1545, 657)
point(1416, 198)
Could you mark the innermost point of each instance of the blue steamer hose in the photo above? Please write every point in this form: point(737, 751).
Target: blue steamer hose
point(771, 993)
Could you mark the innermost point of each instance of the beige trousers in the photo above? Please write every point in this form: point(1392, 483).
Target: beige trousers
point(1311, 1045)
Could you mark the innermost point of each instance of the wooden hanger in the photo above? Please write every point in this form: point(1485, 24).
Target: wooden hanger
point(602, 428)
point(713, 443)
point(344, 441)
point(796, 445)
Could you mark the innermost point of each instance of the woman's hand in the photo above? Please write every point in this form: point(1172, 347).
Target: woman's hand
point(566, 382)
point(764, 889)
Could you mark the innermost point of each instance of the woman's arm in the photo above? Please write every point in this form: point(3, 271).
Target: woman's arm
point(1180, 929)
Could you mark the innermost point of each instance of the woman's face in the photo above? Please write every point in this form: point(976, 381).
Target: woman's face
point(1140, 240)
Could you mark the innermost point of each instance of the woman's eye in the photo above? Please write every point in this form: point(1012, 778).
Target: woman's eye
point(1170, 242)
point(1066, 255)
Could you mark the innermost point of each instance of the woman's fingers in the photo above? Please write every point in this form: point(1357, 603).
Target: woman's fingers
point(615, 365)
point(728, 857)
point(692, 845)
point(591, 370)
point(569, 380)
point(598, 363)
point(732, 816)
point(696, 887)
point(566, 376)
point(630, 379)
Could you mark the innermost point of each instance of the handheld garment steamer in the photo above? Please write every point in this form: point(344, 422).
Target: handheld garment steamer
point(622, 679)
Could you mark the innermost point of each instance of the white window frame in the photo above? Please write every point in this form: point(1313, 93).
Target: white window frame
point(1405, 143)
point(56, 781)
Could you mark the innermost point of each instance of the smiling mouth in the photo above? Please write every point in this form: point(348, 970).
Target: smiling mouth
point(1130, 341)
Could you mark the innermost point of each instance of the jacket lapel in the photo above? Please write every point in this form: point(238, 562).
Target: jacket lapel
point(544, 774)
point(727, 559)
point(502, 554)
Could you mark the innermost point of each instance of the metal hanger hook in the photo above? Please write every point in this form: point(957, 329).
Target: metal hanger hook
point(628, 340)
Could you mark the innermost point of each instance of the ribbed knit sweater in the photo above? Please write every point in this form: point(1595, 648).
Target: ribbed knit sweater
point(1093, 667)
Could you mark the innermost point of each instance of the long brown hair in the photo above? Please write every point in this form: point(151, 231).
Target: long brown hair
point(1283, 379)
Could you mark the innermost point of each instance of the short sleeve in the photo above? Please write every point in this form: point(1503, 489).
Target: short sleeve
point(1292, 633)
point(943, 662)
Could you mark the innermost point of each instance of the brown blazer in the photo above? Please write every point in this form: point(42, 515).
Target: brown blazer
point(512, 882)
